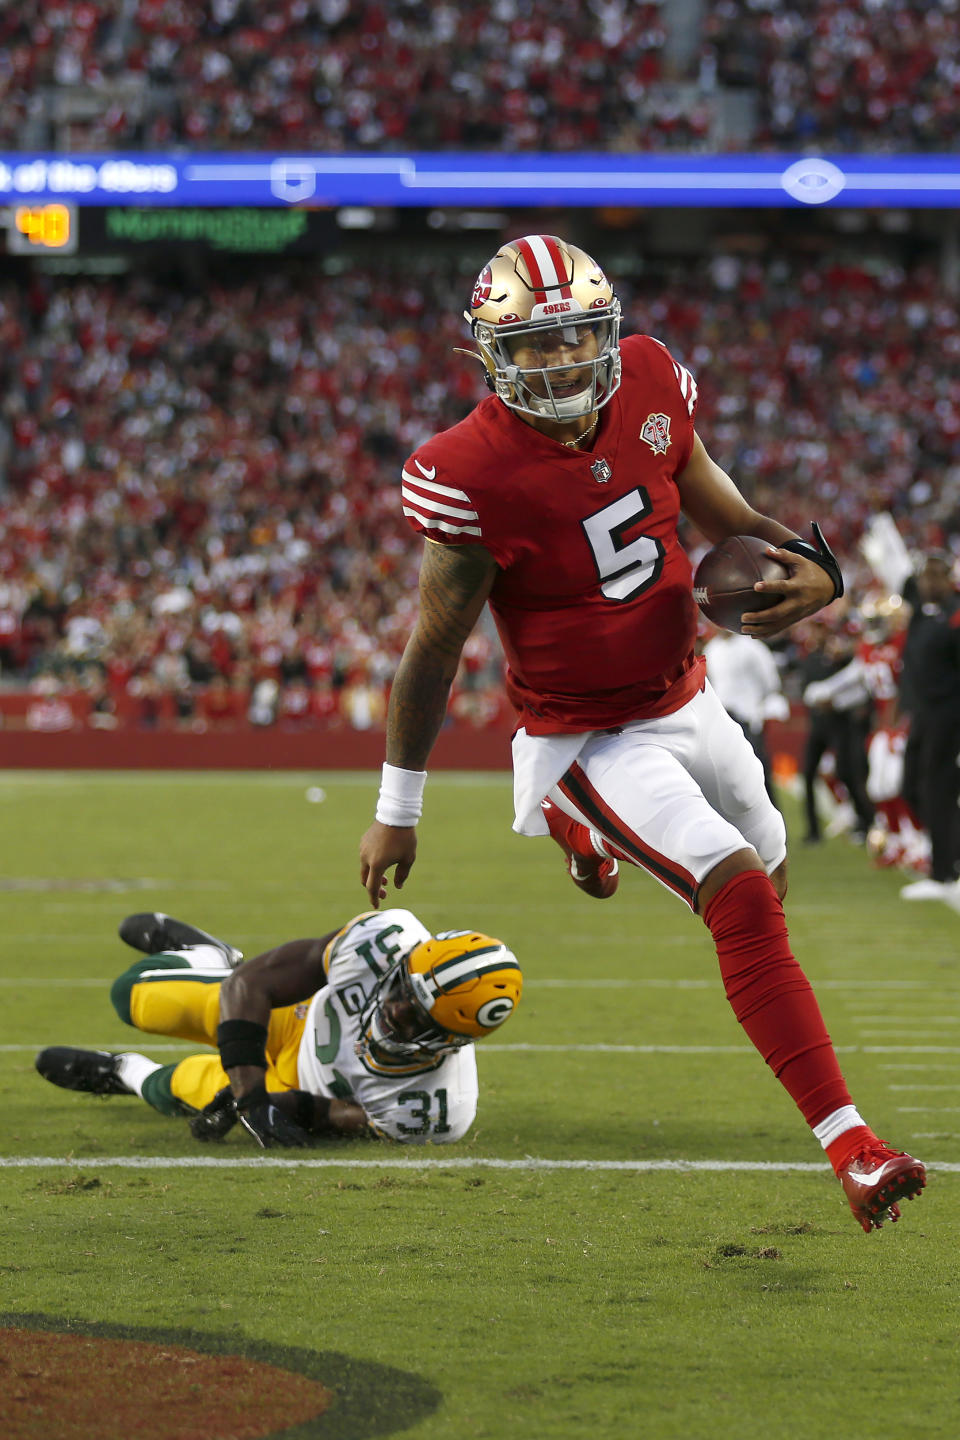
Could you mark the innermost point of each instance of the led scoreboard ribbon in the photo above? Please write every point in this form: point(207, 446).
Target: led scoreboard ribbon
point(260, 179)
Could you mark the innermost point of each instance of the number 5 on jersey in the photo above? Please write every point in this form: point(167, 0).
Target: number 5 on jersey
point(625, 567)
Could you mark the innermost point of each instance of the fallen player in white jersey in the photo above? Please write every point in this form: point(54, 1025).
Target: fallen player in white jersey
point(369, 1030)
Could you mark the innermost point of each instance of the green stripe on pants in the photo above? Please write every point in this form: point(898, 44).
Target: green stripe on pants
point(157, 1092)
point(122, 987)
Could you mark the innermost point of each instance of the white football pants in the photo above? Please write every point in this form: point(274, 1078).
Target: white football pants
point(675, 795)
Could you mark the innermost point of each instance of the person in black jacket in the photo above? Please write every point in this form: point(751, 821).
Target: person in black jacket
point(839, 711)
point(930, 696)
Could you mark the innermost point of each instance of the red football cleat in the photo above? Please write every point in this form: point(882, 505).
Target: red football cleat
point(875, 1178)
point(595, 874)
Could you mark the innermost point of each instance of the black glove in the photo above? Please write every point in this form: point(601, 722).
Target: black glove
point(266, 1122)
point(821, 554)
point(215, 1120)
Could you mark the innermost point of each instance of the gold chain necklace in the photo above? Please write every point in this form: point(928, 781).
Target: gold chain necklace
point(572, 444)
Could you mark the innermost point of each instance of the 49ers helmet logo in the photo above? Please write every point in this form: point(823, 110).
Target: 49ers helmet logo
point(481, 290)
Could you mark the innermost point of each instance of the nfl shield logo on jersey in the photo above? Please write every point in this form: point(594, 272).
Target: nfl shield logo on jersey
point(656, 432)
point(600, 471)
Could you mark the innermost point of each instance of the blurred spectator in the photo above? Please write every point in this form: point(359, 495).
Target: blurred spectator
point(294, 711)
point(744, 674)
point(220, 706)
point(102, 714)
point(362, 701)
point(263, 702)
point(841, 710)
point(931, 693)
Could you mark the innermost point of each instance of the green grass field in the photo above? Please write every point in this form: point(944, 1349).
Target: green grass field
point(597, 1258)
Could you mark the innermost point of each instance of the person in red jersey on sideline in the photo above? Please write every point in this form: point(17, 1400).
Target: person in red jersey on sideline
point(557, 500)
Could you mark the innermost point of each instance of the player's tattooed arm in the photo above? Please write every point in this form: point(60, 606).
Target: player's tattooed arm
point(455, 581)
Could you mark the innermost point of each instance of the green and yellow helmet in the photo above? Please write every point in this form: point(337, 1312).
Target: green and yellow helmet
point(451, 989)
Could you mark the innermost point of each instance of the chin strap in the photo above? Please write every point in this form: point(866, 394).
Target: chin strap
point(821, 554)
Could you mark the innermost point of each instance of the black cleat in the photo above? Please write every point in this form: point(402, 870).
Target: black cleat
point(154, 933)
point(93, 1071)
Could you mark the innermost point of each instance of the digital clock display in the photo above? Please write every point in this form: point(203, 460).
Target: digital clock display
point(45, 229)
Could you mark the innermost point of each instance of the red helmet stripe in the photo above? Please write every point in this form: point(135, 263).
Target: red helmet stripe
point(545, 263)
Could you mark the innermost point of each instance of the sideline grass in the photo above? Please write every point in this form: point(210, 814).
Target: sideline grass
point(547, 1304)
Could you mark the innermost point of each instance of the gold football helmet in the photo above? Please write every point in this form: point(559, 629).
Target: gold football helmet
point(447, 991)
point(545, 319)
point(881, 615)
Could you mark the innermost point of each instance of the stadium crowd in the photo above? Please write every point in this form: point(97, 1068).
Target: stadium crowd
point(201, 520)
point(882, 76)
point(517, 75)
point(201, 489)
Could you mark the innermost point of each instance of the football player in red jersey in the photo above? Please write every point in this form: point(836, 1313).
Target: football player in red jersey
point(557, 502)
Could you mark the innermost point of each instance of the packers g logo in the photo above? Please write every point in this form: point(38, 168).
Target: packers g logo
point(493, 1012)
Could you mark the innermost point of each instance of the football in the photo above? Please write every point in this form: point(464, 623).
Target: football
point(723, 584)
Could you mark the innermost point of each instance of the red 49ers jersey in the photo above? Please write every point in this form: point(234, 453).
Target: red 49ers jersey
point(883, 662)
point(594, 600)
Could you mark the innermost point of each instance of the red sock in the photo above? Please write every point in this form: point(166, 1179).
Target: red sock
point(894, 812)
point(846, 1145)
point(771, 996)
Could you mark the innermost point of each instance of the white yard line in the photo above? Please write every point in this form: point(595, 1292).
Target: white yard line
point(26, 983)
point(919, 1065)
point(489, 1047)
point(928, 1109)
point(146, 1042)
point(885, 1035)
point(218, 779)
point(672, 982)
point(914, 1018)
point(426, 1162)
point(117, 1047)
point(626, 984)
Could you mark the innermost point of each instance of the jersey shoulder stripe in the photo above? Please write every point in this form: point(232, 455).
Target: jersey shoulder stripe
point(688, 386)
point(429, 522)
point(433, 506)
point(437, 505)
point(432, 487)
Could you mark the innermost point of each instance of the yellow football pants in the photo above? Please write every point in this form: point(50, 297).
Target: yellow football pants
point(160, 997)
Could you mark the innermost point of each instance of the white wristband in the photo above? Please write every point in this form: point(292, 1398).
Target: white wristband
point(400, 801)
